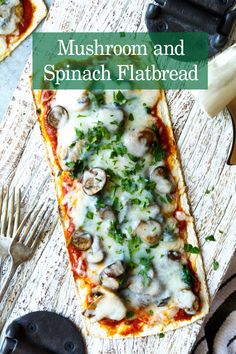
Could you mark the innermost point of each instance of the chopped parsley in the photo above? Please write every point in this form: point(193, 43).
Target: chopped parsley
point(159, 154)
point(89, 215)
point(117, 205)
point(100, 203)
point(80, 135)
point(128, 185)
point(161, 335)
point(116, 234)
point(131, 117)
point(133, 245)
point(146, 266)
point(151, 312)
point(97, 133)
point(208, 191)
point(119, 98)
point(97, 98)
point(147, 108)
point(191, 249)
point(187, 276)
point(210, 238)
point(215, 264)
point(118, 149)
point(76, 167)
point(130, 314)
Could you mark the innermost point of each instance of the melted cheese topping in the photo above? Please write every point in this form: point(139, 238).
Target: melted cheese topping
point(10, 16)
point(109, 134)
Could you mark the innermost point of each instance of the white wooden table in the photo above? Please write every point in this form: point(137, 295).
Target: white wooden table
point(45, 282)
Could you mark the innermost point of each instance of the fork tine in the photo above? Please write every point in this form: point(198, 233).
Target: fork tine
point(23, 222)
point(11, 214)
point(35, 228)
point(29, 227)
point(17, 214)
point(34, 241)
point(5, 211)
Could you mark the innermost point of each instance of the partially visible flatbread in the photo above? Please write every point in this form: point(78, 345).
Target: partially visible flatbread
point(39, 12)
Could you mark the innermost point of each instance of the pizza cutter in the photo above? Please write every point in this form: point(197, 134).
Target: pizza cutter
point(42, 332)
point(217, 19)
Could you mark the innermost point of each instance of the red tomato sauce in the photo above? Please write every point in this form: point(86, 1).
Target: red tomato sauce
point(27, 16)
point(134, 326)
point(182, 315)
point(28, 12)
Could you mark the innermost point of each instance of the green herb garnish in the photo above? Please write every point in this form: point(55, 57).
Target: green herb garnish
point(130, 314)
point(119, 98)
point(187, 276)
point(159, 154)
point(89, 215)
point(210, 238)
point(215, 264)
point(191, 249)
point(131, 117)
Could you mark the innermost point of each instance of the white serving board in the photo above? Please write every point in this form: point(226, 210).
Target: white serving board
point(45, 282)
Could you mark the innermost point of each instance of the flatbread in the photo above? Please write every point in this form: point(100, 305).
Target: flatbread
point(147, 326)
point(39, 12)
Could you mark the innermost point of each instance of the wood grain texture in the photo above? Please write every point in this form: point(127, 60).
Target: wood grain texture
point(45, 282)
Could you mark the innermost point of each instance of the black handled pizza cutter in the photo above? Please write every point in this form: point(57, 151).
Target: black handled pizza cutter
point(216, 17)
point(211, 16)
point(42, 332)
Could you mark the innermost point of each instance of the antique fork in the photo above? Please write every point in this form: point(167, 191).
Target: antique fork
point(25, 241)
point(9, 220)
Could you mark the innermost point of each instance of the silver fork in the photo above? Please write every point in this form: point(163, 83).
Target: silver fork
point(25, 241)
point(9, 220)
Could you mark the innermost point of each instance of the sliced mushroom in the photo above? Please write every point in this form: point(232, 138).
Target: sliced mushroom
point(83, 101)
point(82, 241)
point(106, 305)
point(148, 136)
point(164, 183)
point(108, 276)
point(56, 115)
point(110, 283)
point(174, 255)
point(187, 301)
point(149, 231)
point(93, 181)
point(96, 255)
point(107, 214)
point(138, 142)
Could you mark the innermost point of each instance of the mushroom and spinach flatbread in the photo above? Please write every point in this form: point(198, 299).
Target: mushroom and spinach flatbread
point(124, 210)
point(18, 18)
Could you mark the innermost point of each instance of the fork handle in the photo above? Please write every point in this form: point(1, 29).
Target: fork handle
point(5, 285)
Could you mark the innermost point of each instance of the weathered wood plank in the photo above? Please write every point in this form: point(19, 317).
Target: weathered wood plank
point(45, 282)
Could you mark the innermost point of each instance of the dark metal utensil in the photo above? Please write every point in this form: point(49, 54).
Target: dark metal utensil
point(211, 16)
point(42, 332)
